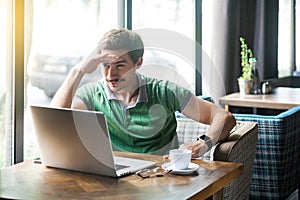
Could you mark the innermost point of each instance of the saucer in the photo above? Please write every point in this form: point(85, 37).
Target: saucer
point(191, 168)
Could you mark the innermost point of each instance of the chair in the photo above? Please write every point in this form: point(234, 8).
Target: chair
point(239, 147)
point(276, 170)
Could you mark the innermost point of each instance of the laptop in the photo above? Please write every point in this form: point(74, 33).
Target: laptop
point(79, 140)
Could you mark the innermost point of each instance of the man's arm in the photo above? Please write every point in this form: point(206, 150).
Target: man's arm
point(65, 94)
point(221, 122)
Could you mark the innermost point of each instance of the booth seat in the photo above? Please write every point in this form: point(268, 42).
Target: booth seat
point(276, 170)
point(239, 147)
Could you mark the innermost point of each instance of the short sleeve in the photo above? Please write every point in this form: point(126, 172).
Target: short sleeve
point(178, 95)
point(87, 92)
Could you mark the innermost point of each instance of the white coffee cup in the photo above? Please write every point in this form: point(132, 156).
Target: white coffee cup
point(180, 158)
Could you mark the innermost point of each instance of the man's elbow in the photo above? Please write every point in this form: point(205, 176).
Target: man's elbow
point(229, 123)
point(230, 120)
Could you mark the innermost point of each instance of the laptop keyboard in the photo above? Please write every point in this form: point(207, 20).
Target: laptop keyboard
point(119, 167)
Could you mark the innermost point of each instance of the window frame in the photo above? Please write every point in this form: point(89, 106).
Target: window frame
point(18, 80)
point(293, 37)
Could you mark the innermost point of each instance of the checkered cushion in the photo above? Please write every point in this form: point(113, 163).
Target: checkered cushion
point(189, 130)
point(276, 171)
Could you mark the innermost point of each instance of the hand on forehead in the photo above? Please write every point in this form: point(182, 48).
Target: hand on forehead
point(114, 56)
point(109, 58)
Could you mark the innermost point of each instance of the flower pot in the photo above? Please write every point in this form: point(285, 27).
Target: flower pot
point(244, 86)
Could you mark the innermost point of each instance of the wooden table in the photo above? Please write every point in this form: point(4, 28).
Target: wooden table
point(28, 180)
point(282, 98)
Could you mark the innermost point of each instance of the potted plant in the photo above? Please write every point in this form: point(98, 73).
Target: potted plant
point(245, 80)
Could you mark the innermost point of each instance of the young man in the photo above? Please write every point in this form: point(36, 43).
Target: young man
point(140, 110)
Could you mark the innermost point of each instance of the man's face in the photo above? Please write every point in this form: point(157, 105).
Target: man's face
point(119, 73)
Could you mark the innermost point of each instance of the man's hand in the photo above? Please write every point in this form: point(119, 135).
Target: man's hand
point(90, 64)
point(198, 148)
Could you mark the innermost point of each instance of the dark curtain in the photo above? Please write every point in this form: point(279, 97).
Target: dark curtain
point(257, 22)
point(266, 37)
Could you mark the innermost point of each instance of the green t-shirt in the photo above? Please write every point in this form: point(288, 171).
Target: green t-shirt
point(149, 126)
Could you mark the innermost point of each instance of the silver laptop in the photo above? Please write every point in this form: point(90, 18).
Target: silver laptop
point(79, 140)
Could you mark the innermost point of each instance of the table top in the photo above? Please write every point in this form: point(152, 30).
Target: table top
point(28, 180)
point(282, 98)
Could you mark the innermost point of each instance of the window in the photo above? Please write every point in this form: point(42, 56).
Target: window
point(171, 21)
point(58, 35)
point(6, 123)
point(288, 38)
point(3, 81)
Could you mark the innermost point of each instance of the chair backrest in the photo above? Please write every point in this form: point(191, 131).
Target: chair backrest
point(239, 147)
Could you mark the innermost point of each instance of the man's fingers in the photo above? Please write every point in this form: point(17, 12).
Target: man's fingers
point(166, 158)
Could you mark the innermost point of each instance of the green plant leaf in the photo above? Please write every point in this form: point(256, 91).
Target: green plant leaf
point(246, 53)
